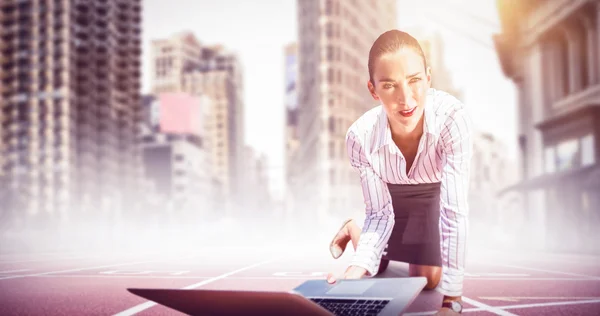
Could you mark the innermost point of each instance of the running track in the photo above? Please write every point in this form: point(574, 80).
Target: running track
point(94, 283)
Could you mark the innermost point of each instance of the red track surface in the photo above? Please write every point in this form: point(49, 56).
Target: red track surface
point(95, 283)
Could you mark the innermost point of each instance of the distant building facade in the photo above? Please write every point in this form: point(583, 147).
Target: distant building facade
point(175, 155)
point(181, 63)
point(550, 49)
point(334, 40)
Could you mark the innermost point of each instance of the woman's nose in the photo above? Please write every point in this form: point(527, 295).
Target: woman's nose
point(404, 95)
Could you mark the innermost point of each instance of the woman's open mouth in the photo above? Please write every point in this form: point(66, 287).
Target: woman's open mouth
point(408, 113)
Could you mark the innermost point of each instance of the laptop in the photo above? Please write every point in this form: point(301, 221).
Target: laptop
point(370, 296)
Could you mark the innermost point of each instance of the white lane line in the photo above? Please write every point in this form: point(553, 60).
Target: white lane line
point(497, 275)
point(174, 277)
point(136, 309)
point(80, 269)
point(545, 271)
point(13, 271)
point(468, 310)
point(518, 298)
point(550, 304)
point(545, 257)
point(48, 259)
point(533, 279)
point(31, 254)
point(491, 309)
point(282, 277)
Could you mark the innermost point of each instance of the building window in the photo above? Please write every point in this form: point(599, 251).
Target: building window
point(331, 149)
point(587, 150)
point(563, 78)
point(523, 153)
point(329, 30)
point(331, 124)
point(567, 154)
point(583, 58)
point(549, 160)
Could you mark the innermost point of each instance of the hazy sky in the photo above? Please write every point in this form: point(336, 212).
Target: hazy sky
point(258, 30)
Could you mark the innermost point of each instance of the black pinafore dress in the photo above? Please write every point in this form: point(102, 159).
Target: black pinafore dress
point(415, 236)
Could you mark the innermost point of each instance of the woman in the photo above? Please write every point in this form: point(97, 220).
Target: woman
point(413, 154)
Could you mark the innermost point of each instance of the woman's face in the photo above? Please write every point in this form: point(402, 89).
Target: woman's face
point(401, 83)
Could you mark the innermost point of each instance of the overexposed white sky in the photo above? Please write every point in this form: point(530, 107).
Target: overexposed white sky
point(258, 31)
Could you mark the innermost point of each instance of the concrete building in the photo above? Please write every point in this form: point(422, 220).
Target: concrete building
point(171, 57)
point(182, 64)
point(334, 39)
point(70, 77)
point(491, 172)
point(175, 155)
point(292, 143)
point(255, 197)
point(550, 49)
point(433, 48)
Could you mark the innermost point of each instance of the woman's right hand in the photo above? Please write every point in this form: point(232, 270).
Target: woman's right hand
point(352, 272)
point(349, 232)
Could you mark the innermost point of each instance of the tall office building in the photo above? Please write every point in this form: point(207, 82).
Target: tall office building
point(334, 39)
point(70, 73)
point(291, 126)
point(256, 198)
point(182, 64)
point(550, 50)
point(170, 58)
point(433, 48)
point(175, 158)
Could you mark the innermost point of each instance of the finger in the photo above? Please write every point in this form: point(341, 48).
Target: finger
point(336, 251)
point(341, 237)
point(331, 278)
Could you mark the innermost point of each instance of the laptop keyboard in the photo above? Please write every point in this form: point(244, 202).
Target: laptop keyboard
point(351, 307)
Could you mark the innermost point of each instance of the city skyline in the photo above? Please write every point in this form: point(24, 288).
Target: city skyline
point(466, 55)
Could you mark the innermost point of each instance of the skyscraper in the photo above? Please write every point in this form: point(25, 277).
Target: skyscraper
point(70, 100)
point(175, 157)
point(182, 64)
point(433, 48)
point(291, 125)
point(334, 42)
point(170, 58)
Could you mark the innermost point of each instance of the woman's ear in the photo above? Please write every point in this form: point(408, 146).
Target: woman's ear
point(428, 76)
point(372, 90)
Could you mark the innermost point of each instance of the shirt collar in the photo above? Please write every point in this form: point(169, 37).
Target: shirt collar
point(384, 133)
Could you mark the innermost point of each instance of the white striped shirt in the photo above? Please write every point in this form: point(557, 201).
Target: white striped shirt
point(444, 155)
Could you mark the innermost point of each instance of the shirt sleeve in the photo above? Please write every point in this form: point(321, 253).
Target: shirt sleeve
point(457, 147)
point(379, 219)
